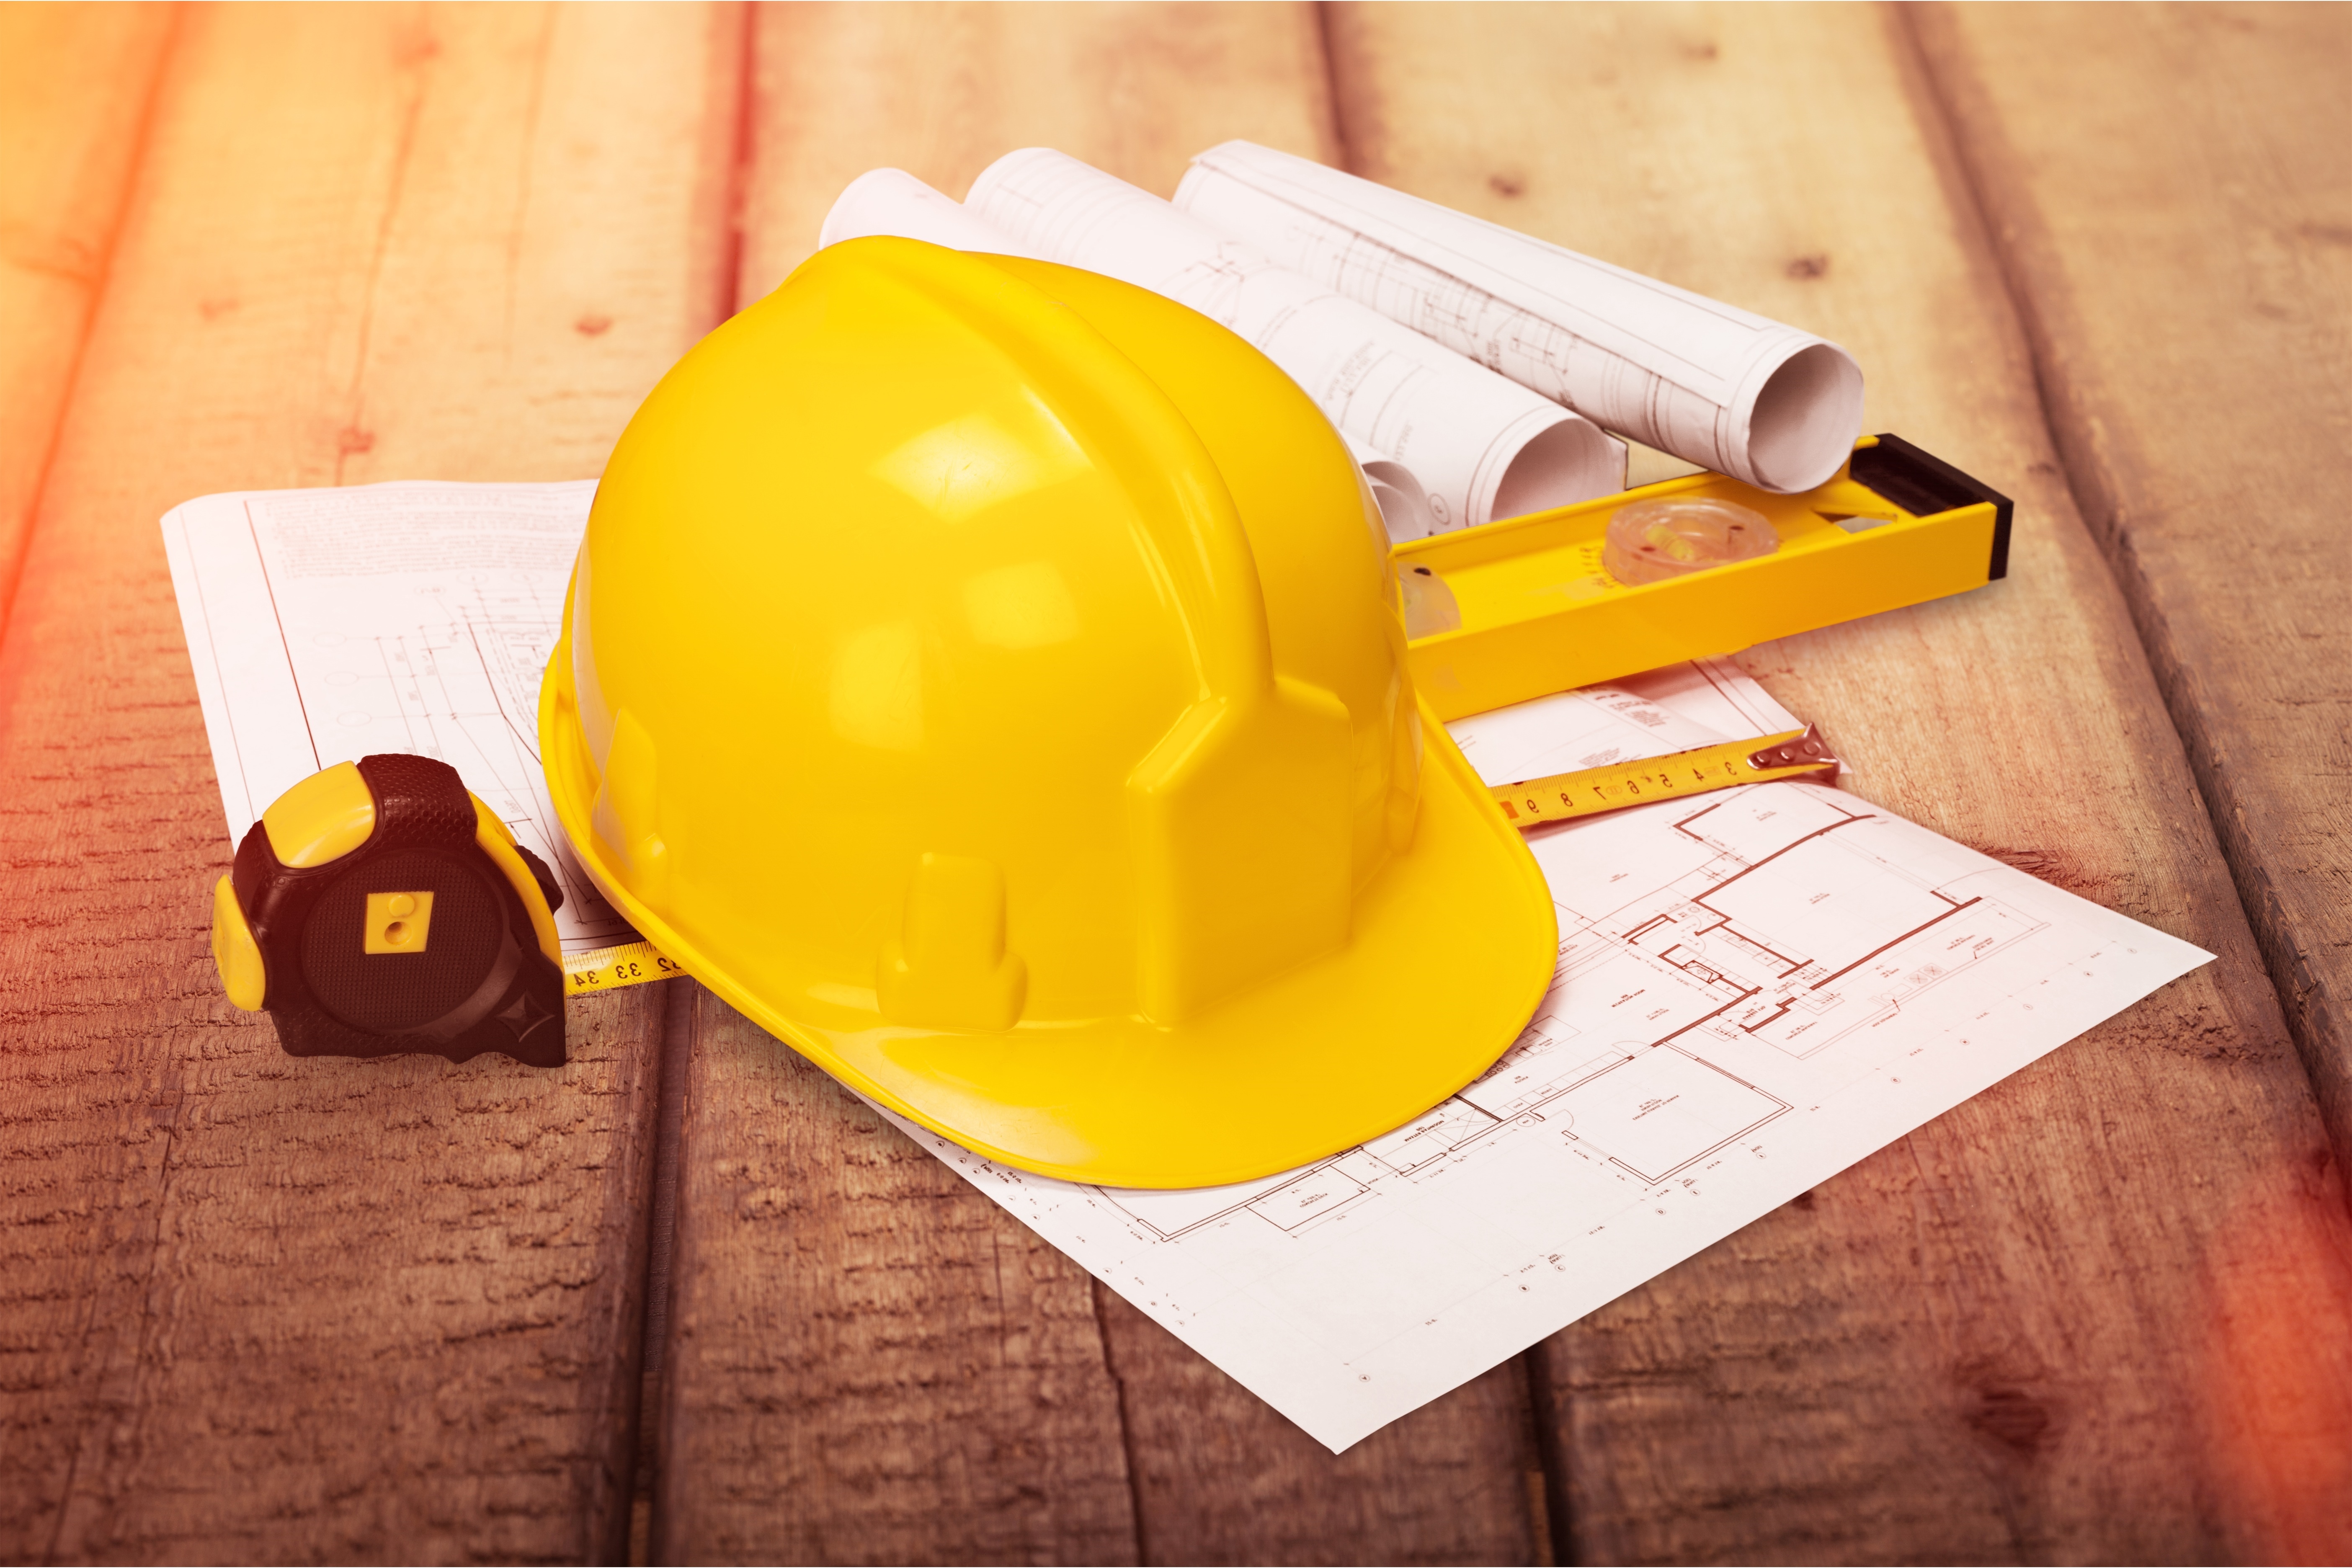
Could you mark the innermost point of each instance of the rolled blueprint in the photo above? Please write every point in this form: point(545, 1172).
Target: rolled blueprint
point(1403, 502)
point(1481, 445)
point(1709, 382)
point(892, 201)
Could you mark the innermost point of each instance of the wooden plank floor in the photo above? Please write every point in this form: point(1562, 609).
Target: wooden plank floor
point(258, 1309)
point(2183, 277)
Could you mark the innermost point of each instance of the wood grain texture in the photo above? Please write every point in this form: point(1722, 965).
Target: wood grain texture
point(840, 1385)
point(867, 1361)
point(255, 1307)
point(2176, 227)
point(74, 86)
point(944, 90)
point(1219, 1478)
point(2007, 1336)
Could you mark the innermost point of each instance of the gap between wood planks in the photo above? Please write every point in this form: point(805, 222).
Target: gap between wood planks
point(1947, 73)
point(677, 1008)
point(661, 1237)
point(17, 533)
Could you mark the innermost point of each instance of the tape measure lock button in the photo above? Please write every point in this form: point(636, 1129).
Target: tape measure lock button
point(398, 922)
point(403, 923)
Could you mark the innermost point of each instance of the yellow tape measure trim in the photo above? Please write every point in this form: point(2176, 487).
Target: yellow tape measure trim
point(610, 968)
point(1561, 797)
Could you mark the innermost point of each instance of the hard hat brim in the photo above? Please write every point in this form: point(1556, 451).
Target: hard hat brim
point(1453, 949)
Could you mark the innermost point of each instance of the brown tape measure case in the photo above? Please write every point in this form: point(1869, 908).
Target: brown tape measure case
point(379, 909)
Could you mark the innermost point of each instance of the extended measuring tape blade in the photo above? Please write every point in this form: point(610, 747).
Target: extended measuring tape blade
point(610, 968)
point(1790, 754)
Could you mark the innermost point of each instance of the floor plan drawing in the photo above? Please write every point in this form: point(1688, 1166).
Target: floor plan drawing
point(1770, 934)
point(1755, 988)
point(1676, 1110)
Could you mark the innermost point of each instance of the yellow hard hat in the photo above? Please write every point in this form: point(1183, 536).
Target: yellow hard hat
point(987, 677)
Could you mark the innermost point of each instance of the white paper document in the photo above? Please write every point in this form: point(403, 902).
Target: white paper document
point(326, 625)
point(1757, 988)
point(1722, 387)
point(1480, 446)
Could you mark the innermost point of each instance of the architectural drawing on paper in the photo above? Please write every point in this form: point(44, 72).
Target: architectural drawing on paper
point(459, 682)
point(464, 686)
point(1769, 938)
point(331, 625)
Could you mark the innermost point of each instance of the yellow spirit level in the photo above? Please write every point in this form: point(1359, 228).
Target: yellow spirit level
point(1522, 608)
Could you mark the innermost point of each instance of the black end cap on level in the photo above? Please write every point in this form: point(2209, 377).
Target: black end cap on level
point(1923, 484)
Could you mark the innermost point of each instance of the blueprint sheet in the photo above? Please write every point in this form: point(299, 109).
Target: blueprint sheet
point(325, 624)
point(1757, 988)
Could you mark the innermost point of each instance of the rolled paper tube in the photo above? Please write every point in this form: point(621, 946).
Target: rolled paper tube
point(1714, 384)
point(892, 201)
point(1480, 446)
point(1403, 502)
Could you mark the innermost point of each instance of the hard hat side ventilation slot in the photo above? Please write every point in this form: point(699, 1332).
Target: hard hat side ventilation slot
point(947, 968)
point(626, 816)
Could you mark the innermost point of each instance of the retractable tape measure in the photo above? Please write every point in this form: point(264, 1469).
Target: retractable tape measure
point(378, 908)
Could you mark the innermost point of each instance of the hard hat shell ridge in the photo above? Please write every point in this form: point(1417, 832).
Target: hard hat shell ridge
point(987, 676)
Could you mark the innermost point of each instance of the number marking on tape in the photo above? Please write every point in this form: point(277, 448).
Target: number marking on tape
point(1790, 754)
point(610, 968)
